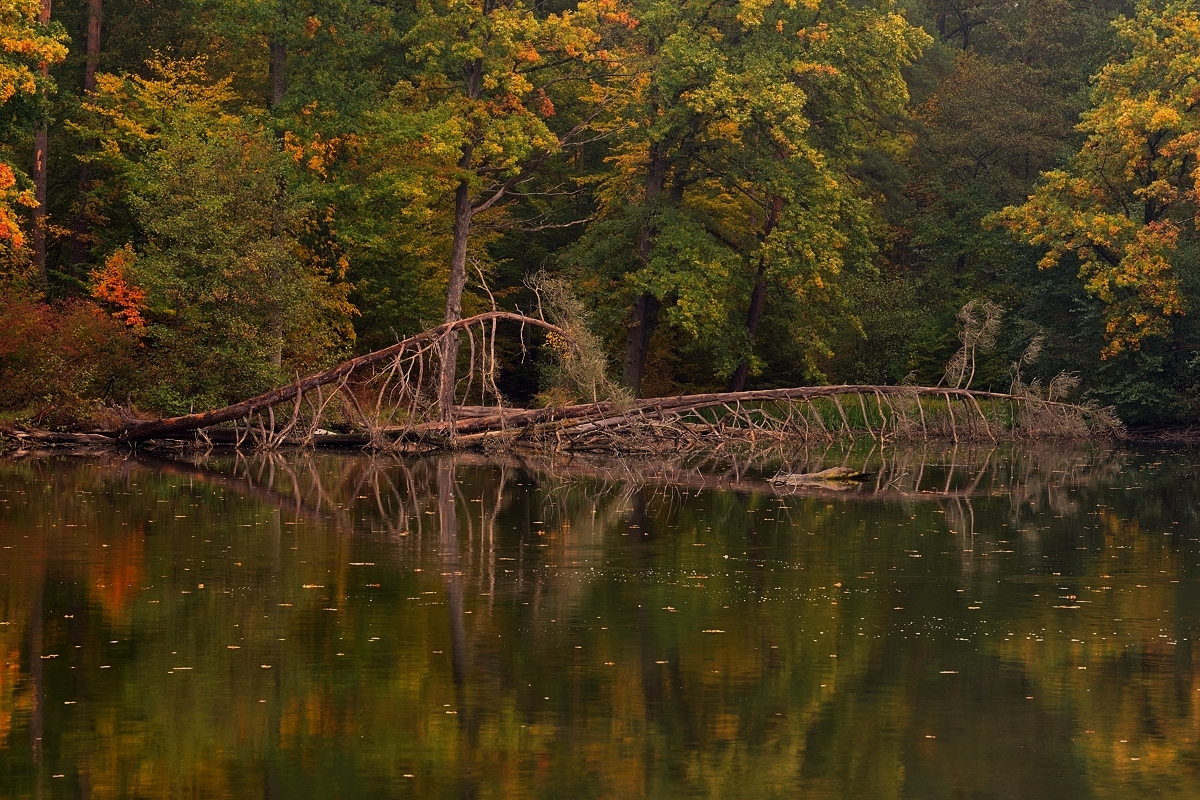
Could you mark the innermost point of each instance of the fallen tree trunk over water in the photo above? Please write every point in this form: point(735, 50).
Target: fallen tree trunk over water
point(395, 384)
point(882, 412)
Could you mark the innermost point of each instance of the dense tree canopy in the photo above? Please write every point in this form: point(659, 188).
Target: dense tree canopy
point(1123, 201)
point(754, 193)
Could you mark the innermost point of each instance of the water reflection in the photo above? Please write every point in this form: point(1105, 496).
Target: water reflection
point(1013, 621)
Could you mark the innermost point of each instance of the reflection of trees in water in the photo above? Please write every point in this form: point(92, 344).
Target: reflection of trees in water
point(501, 534)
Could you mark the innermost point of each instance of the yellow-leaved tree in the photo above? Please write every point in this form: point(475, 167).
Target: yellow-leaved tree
point(1122, 204)
point(493, 80)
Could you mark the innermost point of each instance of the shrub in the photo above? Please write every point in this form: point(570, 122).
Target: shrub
point(57, 361)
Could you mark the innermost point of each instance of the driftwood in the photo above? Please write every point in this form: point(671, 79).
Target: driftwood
point(839, 477)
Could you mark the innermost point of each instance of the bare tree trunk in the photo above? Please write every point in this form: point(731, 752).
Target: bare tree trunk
point(463, 213)
point(79, 230)
point(41, 140)
point(646, 307)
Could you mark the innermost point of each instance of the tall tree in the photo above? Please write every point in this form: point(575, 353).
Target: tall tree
point(492, 70)
point(735, 167)
point(215, 280)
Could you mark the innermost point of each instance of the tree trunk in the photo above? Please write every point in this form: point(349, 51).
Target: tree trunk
point(757, 301)
point(278, 75)
point(41, 140)
point(637, 340)
point(646, 307)
point(95, 13)
point(463, 213)
point(79, 230)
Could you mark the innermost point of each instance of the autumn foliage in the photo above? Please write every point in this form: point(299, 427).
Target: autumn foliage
point(1119, 207)
point(111, 285)
point(743, 193)
point(56, 360)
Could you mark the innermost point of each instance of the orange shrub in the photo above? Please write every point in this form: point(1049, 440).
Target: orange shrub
point(57, 360)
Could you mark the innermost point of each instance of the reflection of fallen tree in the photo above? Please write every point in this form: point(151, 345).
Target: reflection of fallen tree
point(387, 400)
point(903, 473)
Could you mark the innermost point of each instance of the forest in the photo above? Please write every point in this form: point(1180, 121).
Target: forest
point(204, 199)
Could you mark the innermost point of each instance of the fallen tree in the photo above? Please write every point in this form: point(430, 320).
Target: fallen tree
point(412, 347)
point(388, 400)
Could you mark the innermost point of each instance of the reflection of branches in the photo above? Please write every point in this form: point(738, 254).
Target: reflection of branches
point(399, 488)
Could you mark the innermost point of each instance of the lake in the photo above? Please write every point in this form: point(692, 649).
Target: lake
point(1012, 621)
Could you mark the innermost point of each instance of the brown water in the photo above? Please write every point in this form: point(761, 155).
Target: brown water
point(1012, 622)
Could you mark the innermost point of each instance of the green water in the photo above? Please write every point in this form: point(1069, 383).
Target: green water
point(970, 623)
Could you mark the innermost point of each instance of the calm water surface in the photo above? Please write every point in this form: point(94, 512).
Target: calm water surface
point(971, 623)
